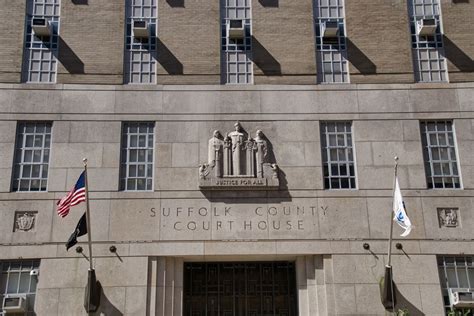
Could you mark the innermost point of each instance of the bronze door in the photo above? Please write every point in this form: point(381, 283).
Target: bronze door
point(240, 289)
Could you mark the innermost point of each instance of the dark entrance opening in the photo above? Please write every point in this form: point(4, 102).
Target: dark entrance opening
point(240, 289)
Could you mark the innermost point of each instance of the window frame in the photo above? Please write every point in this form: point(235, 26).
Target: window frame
point(123, 174)
point(34, 264)
point(20, 150)
point(325, 152)
point(428, 159)
point(34, 44)
point(136, 47)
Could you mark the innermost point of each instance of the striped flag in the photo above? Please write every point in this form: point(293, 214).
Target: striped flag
point(74, 197)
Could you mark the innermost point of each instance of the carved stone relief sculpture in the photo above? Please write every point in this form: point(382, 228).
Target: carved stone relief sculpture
point(448, 217)
point(24, 221)
point(238, 161)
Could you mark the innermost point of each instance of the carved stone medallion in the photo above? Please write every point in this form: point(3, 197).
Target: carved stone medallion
point(25, 220)
point(448, 217)
point(238, 161)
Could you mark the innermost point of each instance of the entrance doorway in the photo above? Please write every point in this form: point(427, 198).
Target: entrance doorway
point(240, 289)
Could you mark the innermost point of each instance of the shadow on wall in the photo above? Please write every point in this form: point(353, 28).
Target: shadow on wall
point(459, 58)
point(106, 307)
point(69, 59)
point(264, 60)
point(168, 60)
point(80, 2)
point(269, 3)
point(403, 304)
point(359, 60)
point(176, 3)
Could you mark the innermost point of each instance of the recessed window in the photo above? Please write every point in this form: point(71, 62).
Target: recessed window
point(18, 281)
point(236, 41)
point(439, 153)
point(456, 274)
point(140, 37)
point(427, 40)
point(41, 41)
point(33, 142)
point(331, 49)
point(137, 156)
point(338, 155)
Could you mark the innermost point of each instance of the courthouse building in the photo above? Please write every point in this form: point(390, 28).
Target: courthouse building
point(240, 155)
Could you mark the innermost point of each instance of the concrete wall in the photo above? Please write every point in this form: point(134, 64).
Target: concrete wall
point(244, 225)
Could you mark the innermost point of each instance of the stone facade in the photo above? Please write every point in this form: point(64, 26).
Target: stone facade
point(156, 232)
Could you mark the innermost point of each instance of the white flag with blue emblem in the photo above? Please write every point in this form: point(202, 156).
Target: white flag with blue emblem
point(401, 216)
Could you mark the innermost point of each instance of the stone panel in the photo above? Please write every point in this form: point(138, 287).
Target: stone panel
point(67, 155)
point(176, 178)
point(47, 301)
point(379, 100)
point(184, 155)
point(343, 218)
point(84, 101)
point(36, 101)
point(431, 299)
point(433, 100)
point(464, 230)
point(141, 101)
point(132, 221)
point(387, 130)
point(41, 231)
point(95, 132)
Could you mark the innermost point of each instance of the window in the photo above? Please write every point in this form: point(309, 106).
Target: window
point(331, 52)
point(137, 156)
point(455, 273)
point(33, 142)
point(428, 51)
point(140, 52)
point(236, 53)
point(439, 153)
point(338, 155)
point(15, 278)
point(40, 54)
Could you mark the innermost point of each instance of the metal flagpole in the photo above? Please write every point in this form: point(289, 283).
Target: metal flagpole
point(388, 267)
point(88, 215)
point(89, 239)
point(391, 214)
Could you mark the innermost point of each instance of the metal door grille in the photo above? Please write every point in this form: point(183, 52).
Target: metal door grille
point(240, 289)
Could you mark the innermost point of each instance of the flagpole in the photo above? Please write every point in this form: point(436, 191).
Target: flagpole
point(388, 268)
point(88, 215)
point(391, 215)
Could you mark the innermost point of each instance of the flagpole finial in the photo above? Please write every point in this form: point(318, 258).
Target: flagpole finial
point(84, 160)
point(396, 159)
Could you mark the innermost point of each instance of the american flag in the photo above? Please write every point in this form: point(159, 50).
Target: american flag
point(74, 197)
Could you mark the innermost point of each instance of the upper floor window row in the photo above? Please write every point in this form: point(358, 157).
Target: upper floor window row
point(42, 32)
point(33, 146)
